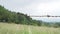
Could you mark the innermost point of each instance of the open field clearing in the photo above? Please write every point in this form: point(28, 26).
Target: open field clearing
point(6, 28)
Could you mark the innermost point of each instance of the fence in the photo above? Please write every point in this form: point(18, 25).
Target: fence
point(43, 16)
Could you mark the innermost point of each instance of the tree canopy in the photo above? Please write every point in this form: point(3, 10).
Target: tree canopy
point(19, 18)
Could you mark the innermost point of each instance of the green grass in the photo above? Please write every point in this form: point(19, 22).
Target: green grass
point(6, 28)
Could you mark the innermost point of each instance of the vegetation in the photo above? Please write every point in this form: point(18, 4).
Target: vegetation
point(20, 18)
point(13, 17)
point(6, 28)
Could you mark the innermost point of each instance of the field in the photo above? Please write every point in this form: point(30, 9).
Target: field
point(6, 28)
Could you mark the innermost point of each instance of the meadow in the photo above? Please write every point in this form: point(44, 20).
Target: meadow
point(6, 28)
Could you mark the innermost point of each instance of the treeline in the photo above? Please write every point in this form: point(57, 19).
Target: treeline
point(13, 17)
point(20, 18)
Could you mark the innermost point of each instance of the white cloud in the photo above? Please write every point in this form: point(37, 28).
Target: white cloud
point(42, 8)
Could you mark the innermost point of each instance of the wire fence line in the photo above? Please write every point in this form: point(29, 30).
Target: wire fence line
point(44, 16)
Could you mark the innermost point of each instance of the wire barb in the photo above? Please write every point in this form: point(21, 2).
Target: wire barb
point(45, 16)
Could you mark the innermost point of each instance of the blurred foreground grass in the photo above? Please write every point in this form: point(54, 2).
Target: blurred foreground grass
point(6, 28)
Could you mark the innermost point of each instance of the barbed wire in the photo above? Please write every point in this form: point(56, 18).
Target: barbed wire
point(44, 16)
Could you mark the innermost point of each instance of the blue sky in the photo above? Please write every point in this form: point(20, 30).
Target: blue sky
point(34, 7)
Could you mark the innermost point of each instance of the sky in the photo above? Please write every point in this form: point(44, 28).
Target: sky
point(35, 7)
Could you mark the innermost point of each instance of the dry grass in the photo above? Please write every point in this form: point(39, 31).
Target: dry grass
point(6, 28)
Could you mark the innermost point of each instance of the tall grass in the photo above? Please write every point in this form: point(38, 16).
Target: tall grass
point(6, 28)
